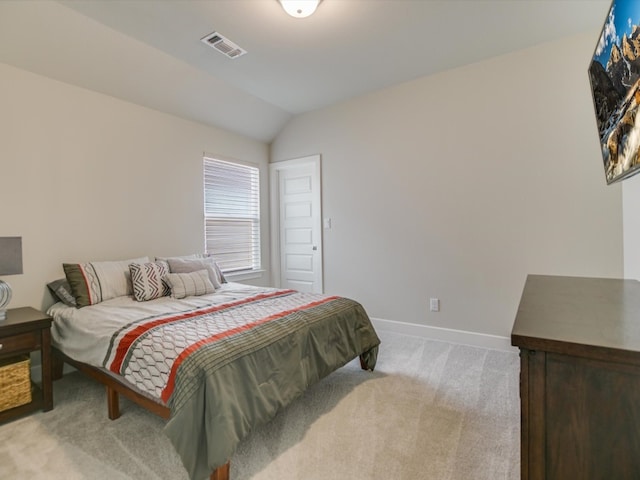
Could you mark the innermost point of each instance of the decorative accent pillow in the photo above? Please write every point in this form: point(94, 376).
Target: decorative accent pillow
point(196, 256)
point(146, 279)
point(61, 291)
point(183, 265)
point(189, 284)
point(95, 282)
point(220, 274)
point(216, 266)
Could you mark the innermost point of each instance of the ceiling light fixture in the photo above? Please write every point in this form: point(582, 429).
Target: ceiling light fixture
point(300, 8)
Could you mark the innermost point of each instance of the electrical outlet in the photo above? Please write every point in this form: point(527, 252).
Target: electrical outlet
point(434, 304)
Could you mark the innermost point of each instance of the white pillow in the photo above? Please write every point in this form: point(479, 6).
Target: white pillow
point(95, 282)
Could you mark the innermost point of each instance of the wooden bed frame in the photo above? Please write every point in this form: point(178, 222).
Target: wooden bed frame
point(116, 387)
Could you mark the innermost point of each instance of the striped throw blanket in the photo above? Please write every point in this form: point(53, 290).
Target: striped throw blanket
point(224, 369)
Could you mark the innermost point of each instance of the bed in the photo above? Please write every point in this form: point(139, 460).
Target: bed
point(215, 365)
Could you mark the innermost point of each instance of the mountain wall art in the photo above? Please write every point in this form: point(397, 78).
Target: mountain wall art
point(614, 74)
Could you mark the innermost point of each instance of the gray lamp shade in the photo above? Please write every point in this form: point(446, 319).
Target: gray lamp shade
point(10, 255)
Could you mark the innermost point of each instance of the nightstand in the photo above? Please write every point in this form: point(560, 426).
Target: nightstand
point(27, 330)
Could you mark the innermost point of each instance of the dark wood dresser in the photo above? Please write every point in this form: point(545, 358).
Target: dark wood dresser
point(579, 341)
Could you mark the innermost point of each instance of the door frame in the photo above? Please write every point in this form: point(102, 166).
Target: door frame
point(274, 206)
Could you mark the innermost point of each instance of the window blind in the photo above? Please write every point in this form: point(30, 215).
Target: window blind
point(232, 214)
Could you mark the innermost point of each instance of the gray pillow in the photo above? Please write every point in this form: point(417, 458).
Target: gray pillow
point(195, 256)
point(184, 265)
point(61, 291)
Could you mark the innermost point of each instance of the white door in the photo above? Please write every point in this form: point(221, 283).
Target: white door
point(297, 224)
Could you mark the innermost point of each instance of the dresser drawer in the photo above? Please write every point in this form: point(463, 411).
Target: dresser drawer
point(23, 342)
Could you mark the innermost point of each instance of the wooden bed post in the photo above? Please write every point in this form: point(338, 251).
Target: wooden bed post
point(363, 364)
point(57, 365)
point(113, 403)
point(221, 473)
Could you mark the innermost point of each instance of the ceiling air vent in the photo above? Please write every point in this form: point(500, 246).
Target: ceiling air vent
point(223, 45)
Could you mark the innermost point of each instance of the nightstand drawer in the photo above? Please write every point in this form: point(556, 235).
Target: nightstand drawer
point(23, 342)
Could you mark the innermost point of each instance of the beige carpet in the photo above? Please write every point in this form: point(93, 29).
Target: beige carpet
point(432, 410)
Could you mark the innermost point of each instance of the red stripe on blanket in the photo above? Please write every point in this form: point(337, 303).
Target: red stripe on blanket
point(168, 390)
point(92, 301)
point(127, 340)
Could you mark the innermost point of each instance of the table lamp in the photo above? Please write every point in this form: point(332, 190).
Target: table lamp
point(10, 264)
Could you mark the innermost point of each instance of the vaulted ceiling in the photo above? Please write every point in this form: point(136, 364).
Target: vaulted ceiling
point(149, 51)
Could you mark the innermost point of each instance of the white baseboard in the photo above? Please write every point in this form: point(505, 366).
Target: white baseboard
point(463, 337)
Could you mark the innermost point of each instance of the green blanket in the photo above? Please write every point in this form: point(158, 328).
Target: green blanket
point(225, 389)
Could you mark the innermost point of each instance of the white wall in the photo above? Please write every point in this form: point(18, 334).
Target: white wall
point(458, 185)
point(85, 176)
point(630, 203)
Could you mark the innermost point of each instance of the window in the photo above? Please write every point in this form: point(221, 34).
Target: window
point(232, 214)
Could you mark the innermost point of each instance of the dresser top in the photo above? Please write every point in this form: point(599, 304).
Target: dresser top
point(575, 314)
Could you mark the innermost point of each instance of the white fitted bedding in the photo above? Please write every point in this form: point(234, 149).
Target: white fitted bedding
point(83, 334)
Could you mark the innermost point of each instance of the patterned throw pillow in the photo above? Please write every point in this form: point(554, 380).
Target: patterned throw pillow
point(189, 284)
point(147, 282)
point(95, 282)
